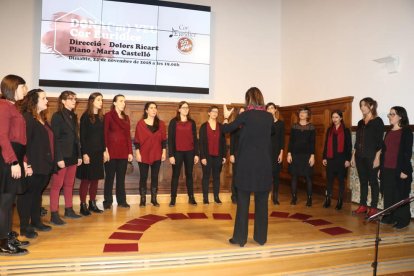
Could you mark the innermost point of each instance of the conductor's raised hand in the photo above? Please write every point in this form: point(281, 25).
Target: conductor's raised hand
point(227, 113)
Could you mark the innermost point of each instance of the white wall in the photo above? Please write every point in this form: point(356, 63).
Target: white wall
point(245, 49)
point(328, 47)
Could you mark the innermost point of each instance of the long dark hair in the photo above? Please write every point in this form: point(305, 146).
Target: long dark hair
point(340, 114)
point(64, 96)
point(29, 104)
point(177, 116)
point(400, 111)
point(113, 106)
point(89, 108)
point(372, 105)
point(254, 97)
point(156, 119)
point(9, 86)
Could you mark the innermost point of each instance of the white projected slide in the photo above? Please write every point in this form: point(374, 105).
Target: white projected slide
point(144, 45)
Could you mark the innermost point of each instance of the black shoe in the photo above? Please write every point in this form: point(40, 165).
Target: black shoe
point(124, 205)
point(232, 241)
point(43, 211)
point(339, 204)
point(172, 202)
point(41, 227)
point(55, 219)
point(217, 200)
point(84, 210)
point(107, 205)
point(294, 200)
point(233, 199)
point(12, 237)
point(191, 200)
point(7, 248)
point(142, 201)
point(93, 208)
point(154, 192)
point(260, 243)
point(275, 199)
point(400, 226)
point(70, 213)
point(28, 232)
point(276, 202)
point(309, 201)
point(205, 201)
point(327, 202)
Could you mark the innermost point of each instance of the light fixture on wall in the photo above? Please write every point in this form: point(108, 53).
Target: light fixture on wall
point(392, 63)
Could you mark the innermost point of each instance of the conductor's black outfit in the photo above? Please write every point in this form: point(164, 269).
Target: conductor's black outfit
point(254, 172)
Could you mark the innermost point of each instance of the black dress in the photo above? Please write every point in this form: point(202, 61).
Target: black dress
point(92, 144)
point(301, 147)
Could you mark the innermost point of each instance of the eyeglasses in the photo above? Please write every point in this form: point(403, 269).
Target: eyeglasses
point(184, 107)
point(391, 114)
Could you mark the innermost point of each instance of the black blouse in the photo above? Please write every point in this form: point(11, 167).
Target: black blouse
point(369, 137)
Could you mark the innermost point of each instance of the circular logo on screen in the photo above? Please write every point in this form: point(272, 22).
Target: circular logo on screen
point(185, 45)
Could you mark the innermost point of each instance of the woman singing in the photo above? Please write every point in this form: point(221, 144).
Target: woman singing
point(67, 156)
point(337, 154)
point(366, 155)
point(212, 153)
point(93, 153)
point(40, 158)
point(182, 148)
point(278, 144)
point(150, 144)
point(12, 168)
point(301, 153)
point(117, 135)
point(396, 167)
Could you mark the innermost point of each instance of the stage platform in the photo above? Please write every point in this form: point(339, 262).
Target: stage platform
point(194, 239)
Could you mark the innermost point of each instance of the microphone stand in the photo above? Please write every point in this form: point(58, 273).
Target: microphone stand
point(378, 217)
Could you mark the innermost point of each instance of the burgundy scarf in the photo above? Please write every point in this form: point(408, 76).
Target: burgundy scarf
point(256, 107)
point(340, 140)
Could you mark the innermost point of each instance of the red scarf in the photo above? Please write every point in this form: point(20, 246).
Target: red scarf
point(339, 138)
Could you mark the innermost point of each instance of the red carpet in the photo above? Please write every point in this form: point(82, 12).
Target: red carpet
point(197, 215)
point(279, 214)
point(175, 216)
point(121, 247)
point(222, 216)
point(142, 221)
point(153, 217)
point(125, 236)
point(335, 231)
point(300, 216)
point(318, 222)
point(134, 227)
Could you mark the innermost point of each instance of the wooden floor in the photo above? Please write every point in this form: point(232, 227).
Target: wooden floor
point(299, 243)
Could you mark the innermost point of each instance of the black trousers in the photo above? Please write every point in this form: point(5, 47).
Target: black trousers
point(367, 174)
point(213, 167)
point(241, 225)
point(8, 190)
point(393, 193)
point(275, 173)
point(29, 203)
point(233, 181)
point(143, 171)
point(186, 157)
point(115, 167)
point(335, 167)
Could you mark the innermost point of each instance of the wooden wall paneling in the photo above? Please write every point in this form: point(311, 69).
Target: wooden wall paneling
point(321, 113)
point(167, 110)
